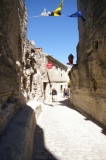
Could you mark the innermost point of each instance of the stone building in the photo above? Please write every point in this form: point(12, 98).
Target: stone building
point(37, 80)
point(57, 76)
point(89, 75)
point(39, 49)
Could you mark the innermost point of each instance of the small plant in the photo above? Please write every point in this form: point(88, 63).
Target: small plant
point(69, 84)
point(69, 74)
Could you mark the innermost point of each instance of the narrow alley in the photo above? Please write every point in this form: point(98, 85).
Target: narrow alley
point(62, 133)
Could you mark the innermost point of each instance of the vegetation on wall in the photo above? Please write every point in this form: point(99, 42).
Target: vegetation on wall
point(69, 74)
point(69, 84)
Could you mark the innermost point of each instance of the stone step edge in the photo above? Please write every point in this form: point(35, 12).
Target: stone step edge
point(16, 141)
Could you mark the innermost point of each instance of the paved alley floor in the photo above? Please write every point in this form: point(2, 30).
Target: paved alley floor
point(62, 133)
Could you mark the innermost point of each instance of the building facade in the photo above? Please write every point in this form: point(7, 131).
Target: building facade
point(57, 77)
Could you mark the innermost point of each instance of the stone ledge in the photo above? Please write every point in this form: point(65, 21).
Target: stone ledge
point(16, 141)
point(36, 106)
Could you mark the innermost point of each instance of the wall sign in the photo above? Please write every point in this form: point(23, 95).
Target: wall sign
point(49, 65)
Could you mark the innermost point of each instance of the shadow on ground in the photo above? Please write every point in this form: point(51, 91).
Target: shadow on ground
point(40, 152)
point(66, 103)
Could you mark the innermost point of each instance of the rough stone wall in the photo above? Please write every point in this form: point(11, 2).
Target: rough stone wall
point(12, 33)
point(89, 75)
point(22, 68)
point(34, 72)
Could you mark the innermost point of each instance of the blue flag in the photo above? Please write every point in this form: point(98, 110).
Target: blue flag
point(77, 14)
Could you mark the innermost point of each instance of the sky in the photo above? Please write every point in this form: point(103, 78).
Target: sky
point(58, 36)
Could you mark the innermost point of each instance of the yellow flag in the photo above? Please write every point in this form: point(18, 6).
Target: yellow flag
point(57, 11)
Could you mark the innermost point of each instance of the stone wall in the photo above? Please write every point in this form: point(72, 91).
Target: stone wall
point(34, 72)
point(22, 68)
point(12, 32)
point(89, 75)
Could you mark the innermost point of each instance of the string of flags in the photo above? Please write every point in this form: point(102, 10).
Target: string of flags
point(57, 12)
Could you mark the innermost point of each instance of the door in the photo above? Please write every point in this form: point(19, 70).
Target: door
point(44, 89)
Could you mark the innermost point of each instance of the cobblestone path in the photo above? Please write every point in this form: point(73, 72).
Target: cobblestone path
point(62, 133)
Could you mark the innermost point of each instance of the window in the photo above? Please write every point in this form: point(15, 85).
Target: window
point(61, 73)
point(56, 70)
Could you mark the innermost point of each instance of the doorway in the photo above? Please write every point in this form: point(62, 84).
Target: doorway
point(61, 88)
point(44, 89)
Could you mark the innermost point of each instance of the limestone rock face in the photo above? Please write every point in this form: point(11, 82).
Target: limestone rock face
point(89, 75)
point(22, 68)
point(34, 71)
point(12, 30)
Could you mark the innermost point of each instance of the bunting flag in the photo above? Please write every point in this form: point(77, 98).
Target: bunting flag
point(77, 14)
point(57, 11)
point(44, 13)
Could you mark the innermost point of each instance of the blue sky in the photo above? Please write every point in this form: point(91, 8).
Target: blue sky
point(58, 36)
